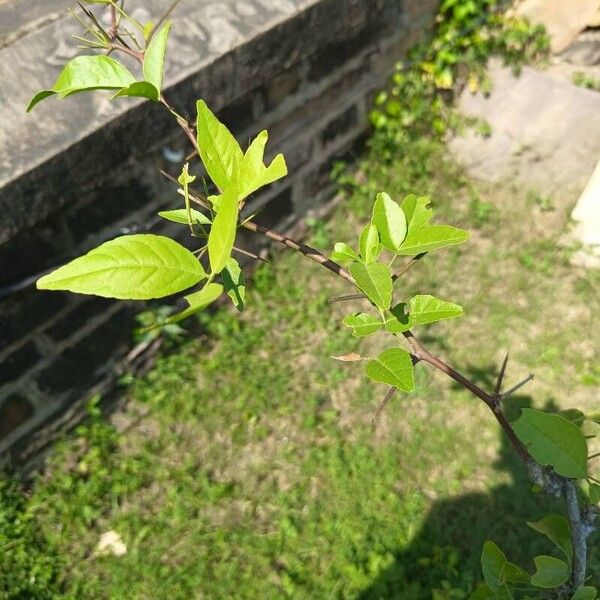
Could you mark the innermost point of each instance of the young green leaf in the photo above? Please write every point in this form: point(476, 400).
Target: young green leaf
point(585, 592)
point(483, 592)
point(594, 493)
point(397, 320)
point(553, 441)
point(132, 267)
point(362, 324)
point(375, 280)
point(180, 215)
point(394, 367)
point(421, 236)
point(369, 244)
point(550, 572)
point(219, 150)
point(233, 281)
point(556, 528)
point(198, 301)
point(139, 89)
point(390, 221)
point(428, 309)
point(342, 252)
point(84, 73)
point(253, 172)
point(493, 563)
point(154, 58)
point(222, 233)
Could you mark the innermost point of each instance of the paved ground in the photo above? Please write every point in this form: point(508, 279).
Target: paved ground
point(545, 131)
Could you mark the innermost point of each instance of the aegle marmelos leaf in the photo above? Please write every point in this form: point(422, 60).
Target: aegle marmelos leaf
point(393, 366)
point(85, 73)
point(550, 572)
point(390, 221)
point(426, 309)
point(154, 58)
point(222, 233)
point(198, 301)
point(131, 267)
point(363, 324)
point(375, 280)
point(553, 441)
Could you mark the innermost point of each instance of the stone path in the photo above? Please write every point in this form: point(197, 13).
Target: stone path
point(546, 130)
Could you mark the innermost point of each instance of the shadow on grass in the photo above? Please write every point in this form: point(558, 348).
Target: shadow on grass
point(443, 559)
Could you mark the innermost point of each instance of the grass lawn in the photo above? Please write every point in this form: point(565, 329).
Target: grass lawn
point(245, 464)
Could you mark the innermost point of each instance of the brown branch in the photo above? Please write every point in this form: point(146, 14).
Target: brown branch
point(579, 533)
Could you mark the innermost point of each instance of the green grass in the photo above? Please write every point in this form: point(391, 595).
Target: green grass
point(245, 464)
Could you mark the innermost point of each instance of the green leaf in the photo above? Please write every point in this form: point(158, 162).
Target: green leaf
point(428, 309)
point(394, 367)
point(421, 236)
point(140, 89)
point(550, 572)
point(198, 301)
point(362, 324)
point(553, 441)
point(585, 593)
point(179, 215)
point(483, 592)
point(233, 280)
point(84, 73)
point(134, 267)
point(398, 321)
point(253, 172)
point(342, 252)
point(556, 528)
point(574, 415)
point(493, 562)
point(594, 493)
point(154, 58)
point(219, 150)
point(222, 233)
point(375, 280)
point(390, 221)
point(369, 244)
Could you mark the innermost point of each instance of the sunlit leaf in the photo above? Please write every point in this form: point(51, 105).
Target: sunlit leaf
point(154, 58)
point(553, 441)
point(219, 150)
point(134, 267)
point(222, 233)
point(421, 236)
point(139, 89)
point(550, 572)
point(254, 174)
point(179, 215)
point(398, 321)
point(390, 221)
point(198, 301)
point(342, 252)
point(362, 324)
point(394, 367)
point(84, 73)
point(233, 281)
point(375, 280)
point(369, 244)
point(428, 309)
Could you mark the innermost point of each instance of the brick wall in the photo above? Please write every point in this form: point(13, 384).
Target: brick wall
point(309, 80)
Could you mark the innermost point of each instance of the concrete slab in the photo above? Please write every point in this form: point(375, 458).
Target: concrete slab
point(587, 222)
point(563, 20)
point(545, 131)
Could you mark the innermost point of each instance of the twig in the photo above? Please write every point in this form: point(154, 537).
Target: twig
point(501, 375)
point(519, 385)
point(163, 18)
point(578, 534)
point(382, 405)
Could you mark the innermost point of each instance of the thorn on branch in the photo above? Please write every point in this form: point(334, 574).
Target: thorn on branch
point(501, 375)
point(513, 389)
point(382, 405)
